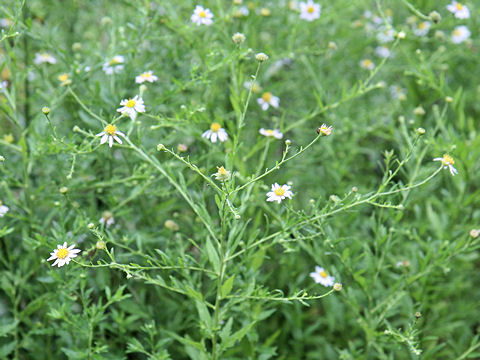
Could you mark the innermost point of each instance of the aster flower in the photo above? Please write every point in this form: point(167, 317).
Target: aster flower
point(63, 254)
point(386, 35)
point(268, 99)
point(279, 193)
point(422, 28)
point(367, 64)
point(3, 209)
point(107, 219)
point(130, 107)
point(460, 11)
point(460, 34)
point(222, 174)
point(146, 76)
point(382, 51)
point(115, 65)
point(41, 58)
point(320, 276)
point(5, 23)
point(254, 85)
point(269, 133)
point(64, 79)
point(216, 132)
point(397, 92)
point(309, 10)
point(110, 133)
point(3, 85)
point(202, 16)
point(325, 130)
point(447, 162)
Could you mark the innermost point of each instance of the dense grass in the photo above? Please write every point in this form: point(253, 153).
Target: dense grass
point(199, 268)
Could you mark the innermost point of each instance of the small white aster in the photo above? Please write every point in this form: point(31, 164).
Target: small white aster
point(320, 276)
point(5, 23)
point(460, 11)
point(202, 16)
point(447, 162)
point(422, 28)
point(115, 65)
point(252, 84)
point(63, 254)
point(107, 219)
point(215, 132)
point(386, 35)
point(325, 130)
point(382, 51)
point(279, 193)
point(130, 107)
point(398, 92)
point(460, 34)
point(146, 76)
point(3, 209)
point(367, 64)
point(41, 58)
point(110, 133)
point(268, 133)
point(3, 85)
point(268, 99)
point(309, 10)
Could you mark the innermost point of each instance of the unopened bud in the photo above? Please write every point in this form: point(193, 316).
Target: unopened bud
point(261, 57)
point(46, 110)
point(238, 38)
point(161, 147)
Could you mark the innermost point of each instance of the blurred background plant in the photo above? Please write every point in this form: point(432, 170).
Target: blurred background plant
point(181, 259)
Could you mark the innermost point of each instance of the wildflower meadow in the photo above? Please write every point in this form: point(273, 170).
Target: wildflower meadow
point(235, 179)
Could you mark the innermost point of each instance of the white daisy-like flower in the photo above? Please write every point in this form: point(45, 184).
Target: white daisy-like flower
point(367, 64)
point(460, 34)
point(5, 23)
point(107, 219)
point(146, 76)
point(242, 11)
point(63, 254)
point(398, 92)
point(460, 11)
point(215, 133)
point(110, 133)
point(386, 35)
point(115, 65)
point(41, 58)
point(309, 10)
point(3, 85)
point(202, 16)
point(320, 276)
point(325, 130)
point(254, 85)
point(474, 233)
point(447, 162)
point(269, 133)
point(222, 174)
point(422, 28)
point(3, 209)
point(131, 107)
point(382, 51)
point(268, 99)
point(279, 193)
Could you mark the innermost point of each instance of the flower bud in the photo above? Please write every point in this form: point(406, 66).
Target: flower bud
point(238, 38)
point(420, 131)
point(435, 17)
point(161, 147)
point(337, 286)
point(46, 110)
point(261, 57)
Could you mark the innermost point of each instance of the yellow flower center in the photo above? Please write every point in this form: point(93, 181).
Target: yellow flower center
point(110, 129)
point(459, 6)
point(447, 160)
point(202, 14)
point(323, 274)
point(279, 192)
point(63, 77)
point(215, 127)
point(222, 170)
point(457, 32)
point(130, 103)
point(367, 63)
point(265, 12)
point(267, 97)
point(62, 253)
point(269, 132)
point(113, 62)
point(145, 75)
point(422, 25)
point(310, 9)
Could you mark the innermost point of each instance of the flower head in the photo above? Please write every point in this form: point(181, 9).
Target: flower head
point(474, 233)
point(41, 58)
point(422, 28)
point(130, 107)
point(107, 219)
point(268, 99)
point(309, 10)
point(269, 133)
point(367, 64)
point(386, 35)
point(64, 79)
point(382, 51)
point(114, 65)
point(146, 76)
point(397, 92)
point(63, 254)
point(320, 276)
point(252, 84)
point(222, 174)
point(460, 11)
point(202, 16)
point(3, 209)
point(279, 193)
point(447, 162)
point(216, 132)
point(3, 85)
point(110, 133)
point(325, 130)
point(460, 34)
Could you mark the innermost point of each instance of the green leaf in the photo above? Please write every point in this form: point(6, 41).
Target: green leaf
point(6, 349)
point(227, 286)
point(212, 255)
